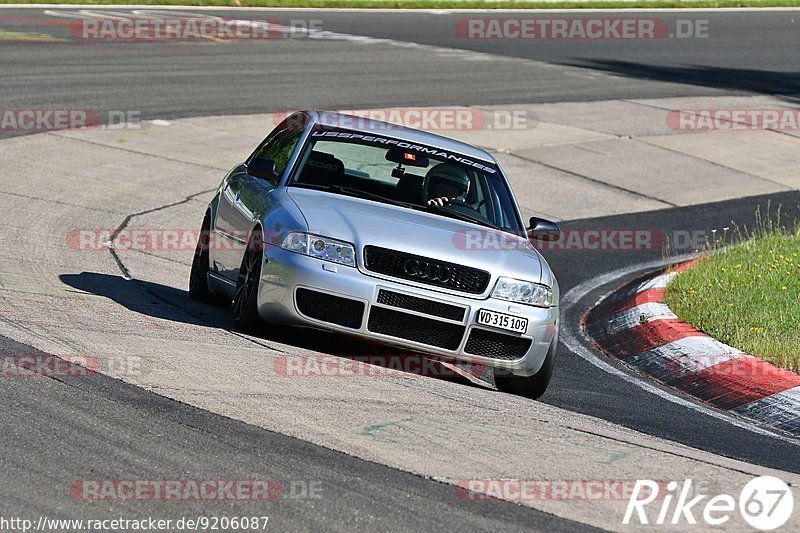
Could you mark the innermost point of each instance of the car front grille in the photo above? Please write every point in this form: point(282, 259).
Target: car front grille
point(421, 305)
point(328, 308)
point(496, 345)
point(415, 328)
point(425, 270)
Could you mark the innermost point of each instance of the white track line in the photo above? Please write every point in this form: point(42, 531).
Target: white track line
point(572, 341)
point(658, 282)
point(441, 51)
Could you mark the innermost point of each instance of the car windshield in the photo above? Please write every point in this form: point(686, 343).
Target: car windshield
point(408, 174)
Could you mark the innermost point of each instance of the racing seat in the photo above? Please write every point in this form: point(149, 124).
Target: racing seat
point(409, 188)
point(322, 168)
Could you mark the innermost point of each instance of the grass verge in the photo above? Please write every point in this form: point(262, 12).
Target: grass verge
point(747, 295)
point(438, 4)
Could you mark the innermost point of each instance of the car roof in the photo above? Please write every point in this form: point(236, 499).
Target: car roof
point(387, 129)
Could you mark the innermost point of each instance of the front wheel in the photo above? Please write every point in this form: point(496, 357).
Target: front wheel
point(245, 300)
point(534, 386)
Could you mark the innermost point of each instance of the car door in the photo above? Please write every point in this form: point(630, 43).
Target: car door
point(223, 255)
point(248, 196)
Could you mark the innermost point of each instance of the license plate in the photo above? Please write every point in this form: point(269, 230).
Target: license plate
point(502, 321)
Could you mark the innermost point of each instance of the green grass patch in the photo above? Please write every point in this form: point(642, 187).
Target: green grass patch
point(439, 4)
point(6, 35)
point(747, 295)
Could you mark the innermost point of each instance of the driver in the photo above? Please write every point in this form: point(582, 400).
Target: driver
point(445, 183)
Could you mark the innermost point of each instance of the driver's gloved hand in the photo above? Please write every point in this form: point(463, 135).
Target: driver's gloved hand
point(439, 201)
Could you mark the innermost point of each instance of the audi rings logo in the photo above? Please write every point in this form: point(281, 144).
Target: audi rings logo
point(425, 270)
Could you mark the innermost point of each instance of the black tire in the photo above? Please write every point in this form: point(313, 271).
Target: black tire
point(245, 300)
point(534, 386)
point(198, 279)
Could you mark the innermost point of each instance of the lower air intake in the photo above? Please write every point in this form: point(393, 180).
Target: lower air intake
point(415, 328)
point(327, 308)
point(496, 345)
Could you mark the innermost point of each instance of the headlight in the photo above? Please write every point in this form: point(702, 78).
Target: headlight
point(523, 292)
point(320, 247)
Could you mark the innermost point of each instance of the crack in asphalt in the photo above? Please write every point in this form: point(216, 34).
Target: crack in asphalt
point(127, 275)
point(110, 245)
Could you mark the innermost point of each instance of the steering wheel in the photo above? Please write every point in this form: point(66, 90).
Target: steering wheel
point(460, 203)
point(453, 203)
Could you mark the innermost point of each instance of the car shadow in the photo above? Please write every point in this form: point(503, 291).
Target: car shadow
point(168, 303)
point(750, 80)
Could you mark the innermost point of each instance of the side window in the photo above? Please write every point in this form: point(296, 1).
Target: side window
point(279, 148)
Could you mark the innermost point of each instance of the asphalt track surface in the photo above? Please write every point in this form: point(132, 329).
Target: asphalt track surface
point(54, 430)
point(743, 53)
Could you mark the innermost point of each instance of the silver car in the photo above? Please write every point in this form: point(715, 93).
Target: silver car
point(385, 233)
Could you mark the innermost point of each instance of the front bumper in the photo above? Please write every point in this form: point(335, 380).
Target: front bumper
point(283, 273)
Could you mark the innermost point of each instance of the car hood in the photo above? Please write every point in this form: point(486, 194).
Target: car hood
point(365, 222)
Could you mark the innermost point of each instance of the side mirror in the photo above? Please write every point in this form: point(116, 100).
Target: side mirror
point(543, 230)
point(263, 168)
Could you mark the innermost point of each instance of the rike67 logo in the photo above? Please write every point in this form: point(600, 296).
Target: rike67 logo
point(765, 503)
